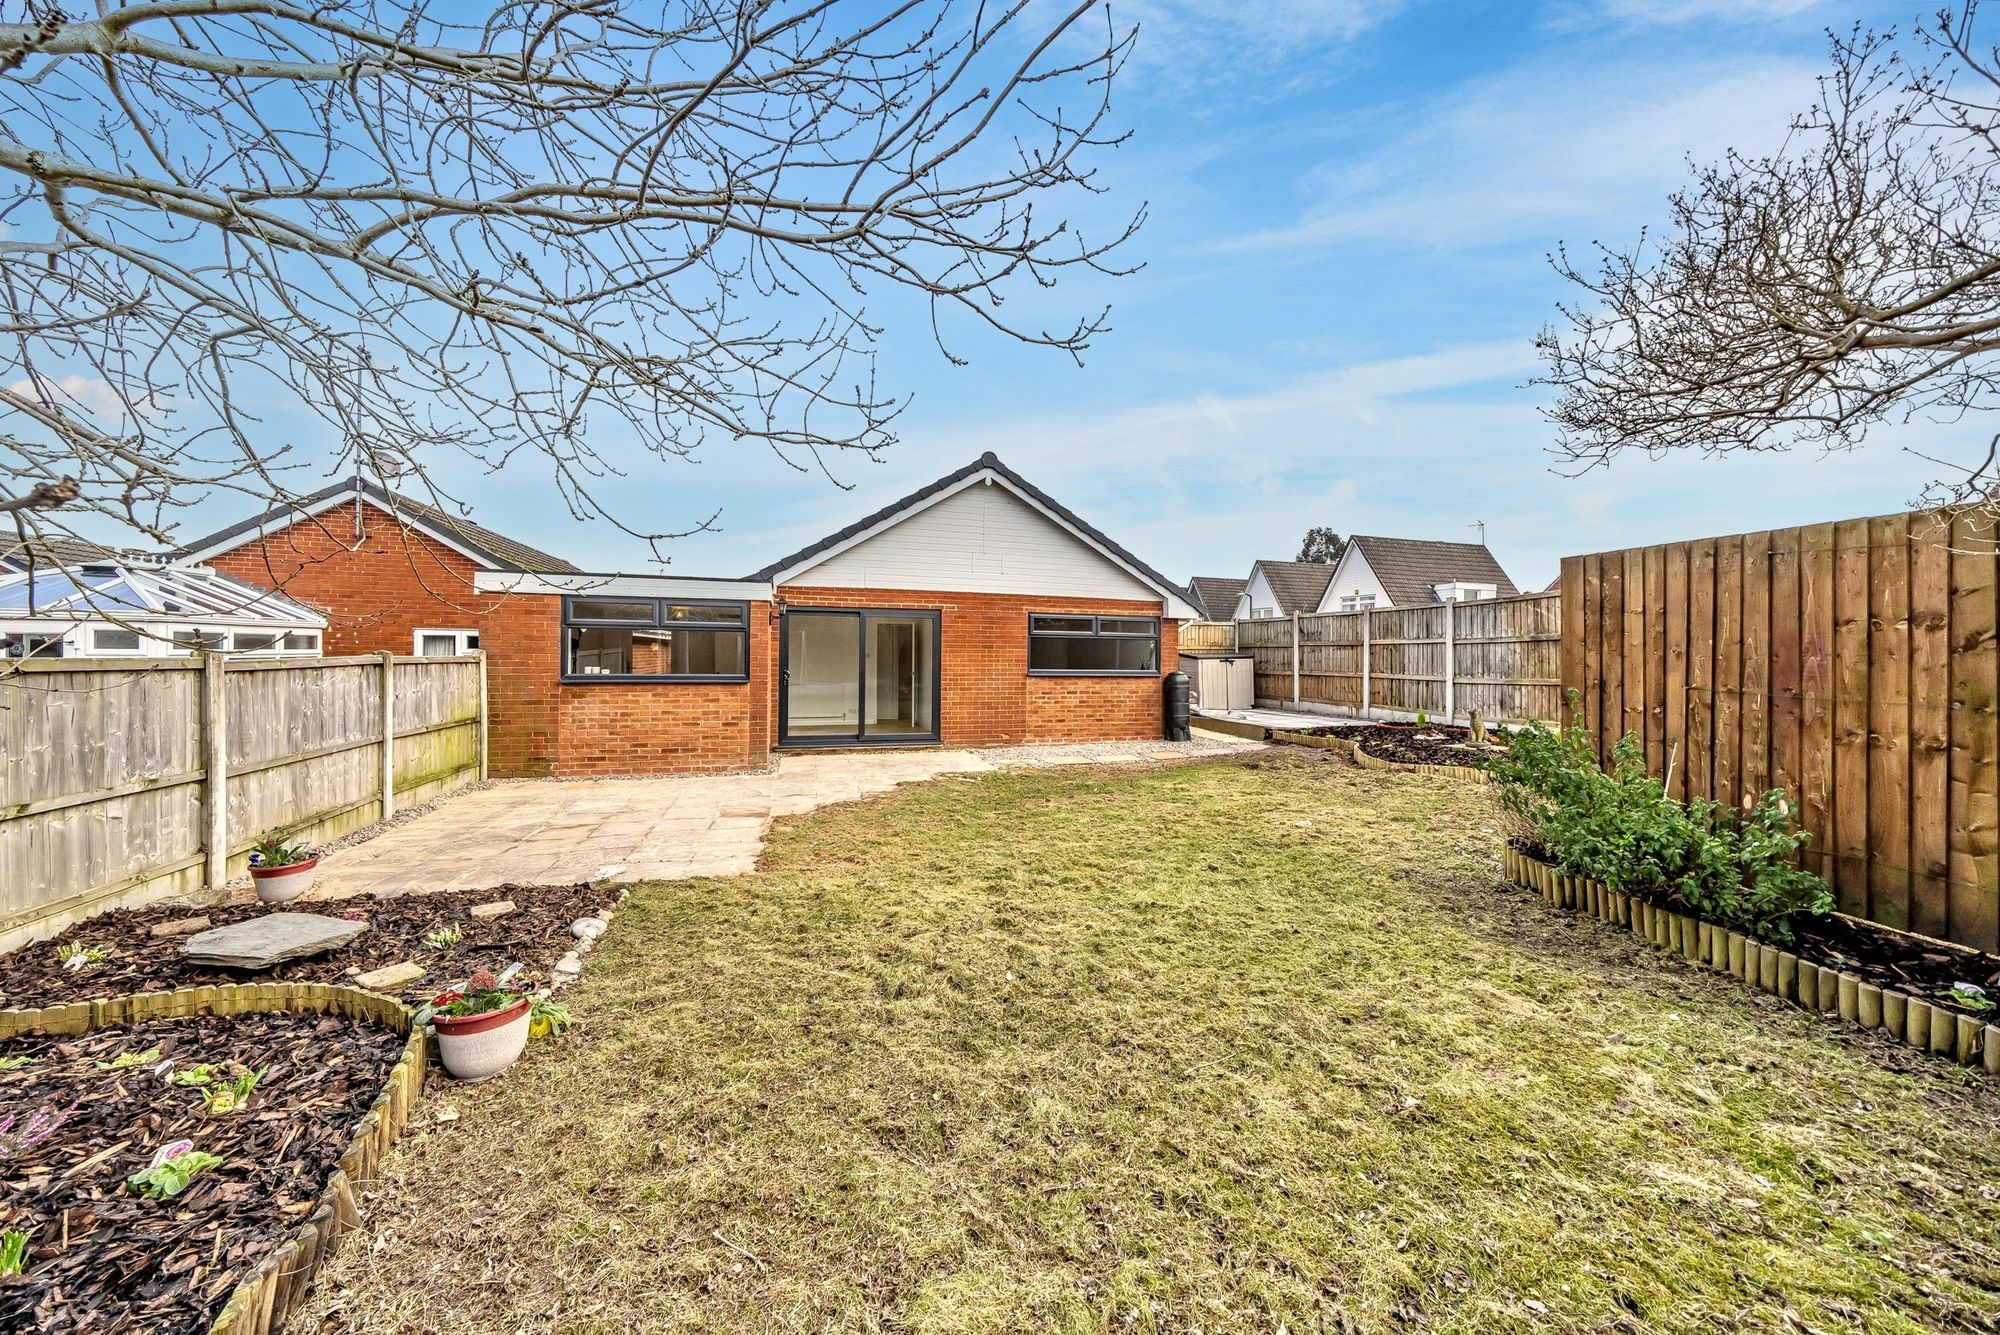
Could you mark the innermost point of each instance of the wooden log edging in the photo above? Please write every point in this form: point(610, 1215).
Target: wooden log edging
point(260, 1303)
point(1965, 1039)
point(1463, 773)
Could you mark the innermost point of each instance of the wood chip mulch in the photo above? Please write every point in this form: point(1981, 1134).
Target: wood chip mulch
point(535, 937)
point(1432, 744)
point(104, 1260)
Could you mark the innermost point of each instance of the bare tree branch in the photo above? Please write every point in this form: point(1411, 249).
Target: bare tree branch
point(1802, 298)
point(575, 233)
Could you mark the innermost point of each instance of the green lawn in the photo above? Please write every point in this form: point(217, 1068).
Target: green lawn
point(1241, 1046)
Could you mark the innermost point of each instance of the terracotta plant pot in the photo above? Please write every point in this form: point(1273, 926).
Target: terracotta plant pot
point(282, 885)
point(479, 1047)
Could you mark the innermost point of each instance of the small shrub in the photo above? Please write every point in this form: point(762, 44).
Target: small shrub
point(170, 1176)
point(1619, 826)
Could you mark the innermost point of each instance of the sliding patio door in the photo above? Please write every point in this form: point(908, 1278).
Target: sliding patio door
point(850, 678)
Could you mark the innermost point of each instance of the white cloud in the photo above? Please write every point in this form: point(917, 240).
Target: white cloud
point(1186, 45)
point(92, 394)
point(1537, 153)
point(1688, 11)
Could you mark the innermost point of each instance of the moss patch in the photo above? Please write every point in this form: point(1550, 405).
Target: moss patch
point(1247, 1045)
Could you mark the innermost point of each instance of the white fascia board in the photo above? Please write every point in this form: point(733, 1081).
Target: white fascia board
point(303, 513)
point(622, 586)
point(1174, 607)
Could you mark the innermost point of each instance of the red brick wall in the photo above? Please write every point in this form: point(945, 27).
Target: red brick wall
point(1100, 709)
point(987, 697)
point(538, 725)
point(376, 587)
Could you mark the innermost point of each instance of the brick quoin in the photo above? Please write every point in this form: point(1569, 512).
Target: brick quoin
point(379, 587)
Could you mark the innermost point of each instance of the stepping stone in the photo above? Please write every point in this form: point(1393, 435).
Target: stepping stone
point(499, 908)
point(389, 977)
point(259, 943)
point(182, 926)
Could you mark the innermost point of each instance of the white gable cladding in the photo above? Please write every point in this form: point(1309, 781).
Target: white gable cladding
point(1257, 599)
point(1353, 577)
point(981, 539)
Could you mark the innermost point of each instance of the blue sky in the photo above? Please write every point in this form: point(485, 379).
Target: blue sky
point(1351, 203)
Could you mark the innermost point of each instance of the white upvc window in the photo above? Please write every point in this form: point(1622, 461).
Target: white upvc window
point(445, 643)
point(1460, 591)
point(110, 641)
point(1356, 602)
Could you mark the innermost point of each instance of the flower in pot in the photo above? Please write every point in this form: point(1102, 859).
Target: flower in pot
point(481, 1027)
point(282, 868)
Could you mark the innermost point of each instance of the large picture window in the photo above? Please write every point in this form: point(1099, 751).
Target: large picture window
point(1093, 646)
point(655, 639)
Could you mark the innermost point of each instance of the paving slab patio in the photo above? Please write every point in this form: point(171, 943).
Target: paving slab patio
point(552, 831)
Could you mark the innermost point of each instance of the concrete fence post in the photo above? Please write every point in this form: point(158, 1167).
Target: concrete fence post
point(215, 772)
point(1367, 687)
point(484, 764)
point(1450, 661)
point(1297, 651)
point(388, 733)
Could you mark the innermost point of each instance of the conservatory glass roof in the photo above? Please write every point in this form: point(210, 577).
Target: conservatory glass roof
point(141, 593)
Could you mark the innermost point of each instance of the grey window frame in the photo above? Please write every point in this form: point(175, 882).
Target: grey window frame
point(1094, 633)
point(658, 621)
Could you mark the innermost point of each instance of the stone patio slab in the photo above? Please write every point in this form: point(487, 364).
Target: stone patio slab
point(617, 831)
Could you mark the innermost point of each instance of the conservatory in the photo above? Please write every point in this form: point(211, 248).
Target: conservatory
point(131, 611)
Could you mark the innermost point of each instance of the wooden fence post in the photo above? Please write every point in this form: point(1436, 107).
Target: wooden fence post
point(484, 764)
point(1450, 660)
point(1367, 689)
point(215, 772)
point(1296, 652)
point(388, 733)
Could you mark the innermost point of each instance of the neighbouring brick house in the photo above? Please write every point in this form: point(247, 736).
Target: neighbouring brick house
point(976, 611)
point(390, 572)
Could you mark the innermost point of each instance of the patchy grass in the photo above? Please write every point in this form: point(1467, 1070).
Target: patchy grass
point(1237, 1046)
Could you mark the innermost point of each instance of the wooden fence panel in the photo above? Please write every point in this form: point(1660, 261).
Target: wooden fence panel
point(1407, 671)
point(1330, 659)
point(1208, 637)
point(104, 789)
point(1505, 657)
point(1852, 665)
point(1269, 643)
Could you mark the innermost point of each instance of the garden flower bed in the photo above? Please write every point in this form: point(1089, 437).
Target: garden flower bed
point(160, 1190)
point(1911, 988)
point(1727, 888)
point(1430, 747)
point(137, 960)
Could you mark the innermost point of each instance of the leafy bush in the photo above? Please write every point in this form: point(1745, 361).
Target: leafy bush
point(1620, 827)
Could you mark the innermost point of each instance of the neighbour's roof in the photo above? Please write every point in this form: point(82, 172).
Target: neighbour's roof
point(145, 593)
point(1216, 596)
point(496, 549)
point(1556, 584)
point(987, 462)
point(1297, 585)
point(47, 551)
point(1409, 567)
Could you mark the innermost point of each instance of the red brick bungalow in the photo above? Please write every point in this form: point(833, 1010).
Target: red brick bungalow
point(977, 611)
